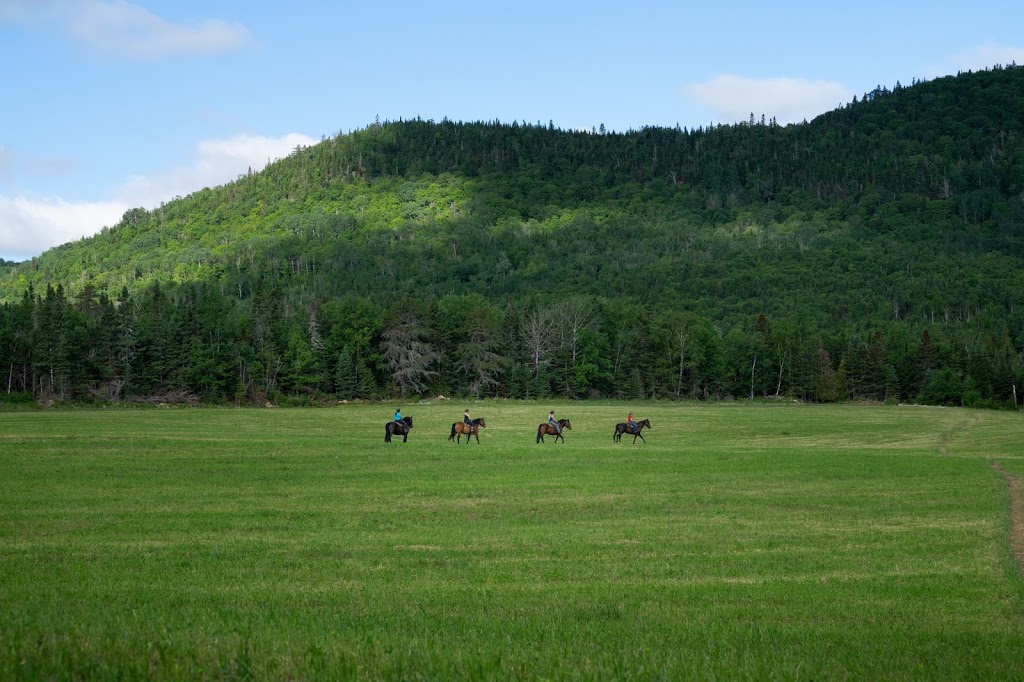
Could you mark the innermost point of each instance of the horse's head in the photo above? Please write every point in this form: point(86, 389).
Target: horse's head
point(480, 422)
point(646, 422)
point(408, 421)
point(565, 424)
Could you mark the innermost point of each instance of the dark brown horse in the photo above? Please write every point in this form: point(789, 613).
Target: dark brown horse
point(548, 430)
point(398, 429)
point(459, 428)
point(623, 427)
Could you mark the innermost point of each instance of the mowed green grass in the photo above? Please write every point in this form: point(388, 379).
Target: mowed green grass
point(741, 541)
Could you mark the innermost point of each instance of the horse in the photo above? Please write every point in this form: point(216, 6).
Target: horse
point(401, 428)
point(623, 427)
point(459, 428)
point(548, 429)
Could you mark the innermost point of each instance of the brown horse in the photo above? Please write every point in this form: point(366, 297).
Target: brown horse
point(548, 430)
point(623, 427)
point(459, 428)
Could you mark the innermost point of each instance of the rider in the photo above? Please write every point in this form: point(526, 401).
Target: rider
point(466, 420)
point(398, 414)
point(631, 423)
point(552, 422)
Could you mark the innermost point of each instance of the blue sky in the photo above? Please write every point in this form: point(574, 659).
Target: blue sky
point(111, 104)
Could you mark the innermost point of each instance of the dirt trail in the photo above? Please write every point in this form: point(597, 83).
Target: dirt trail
point(1016, 515)
point(946, 437)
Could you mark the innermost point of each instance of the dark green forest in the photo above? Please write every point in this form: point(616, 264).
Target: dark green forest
point(874, 253)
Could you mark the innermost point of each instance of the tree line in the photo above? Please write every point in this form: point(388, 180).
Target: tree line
point(193, 344)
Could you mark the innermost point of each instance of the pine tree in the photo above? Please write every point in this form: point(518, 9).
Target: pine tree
point(346, 380)
point(826, 381)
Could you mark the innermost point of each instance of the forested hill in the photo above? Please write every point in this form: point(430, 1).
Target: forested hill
point(896, 220)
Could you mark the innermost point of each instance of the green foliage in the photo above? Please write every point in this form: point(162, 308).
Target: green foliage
point(944, 388)
point(701, 263)
point(346, 378)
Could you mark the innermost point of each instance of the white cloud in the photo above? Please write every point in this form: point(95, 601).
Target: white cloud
point(216, 162)
point(29, 226)
point(981, 57)
point(789, 100)
point(123, 29)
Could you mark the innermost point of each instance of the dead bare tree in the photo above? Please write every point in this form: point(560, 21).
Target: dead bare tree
point(410, 354)
point(538, 331)
point(573, 316)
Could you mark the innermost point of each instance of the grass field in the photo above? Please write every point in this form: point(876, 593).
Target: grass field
point(742, 541)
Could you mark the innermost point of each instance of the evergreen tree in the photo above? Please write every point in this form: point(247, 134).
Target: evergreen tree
point(346, 379)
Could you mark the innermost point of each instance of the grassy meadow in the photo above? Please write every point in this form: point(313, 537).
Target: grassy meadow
point(741, 541)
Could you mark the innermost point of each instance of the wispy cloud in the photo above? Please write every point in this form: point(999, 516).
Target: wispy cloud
point(980, 57)
point(215, 163)
point(789, 100)
point(29, 226)
point(122, 29)
point(5, 162)
point(14, 164)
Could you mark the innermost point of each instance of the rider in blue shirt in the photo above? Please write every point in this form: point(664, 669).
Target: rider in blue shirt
point(551, 420)
point(466, 420)
point(398, 414)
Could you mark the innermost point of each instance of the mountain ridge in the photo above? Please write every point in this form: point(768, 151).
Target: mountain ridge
point(783, 260)
point(731, 166)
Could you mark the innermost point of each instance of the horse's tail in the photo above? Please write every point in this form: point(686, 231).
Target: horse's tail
point(452, 437)
point(540, 432)
point(387, 433)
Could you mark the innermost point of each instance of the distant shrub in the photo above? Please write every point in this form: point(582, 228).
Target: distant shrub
point(943, 388)
point(21, 398)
